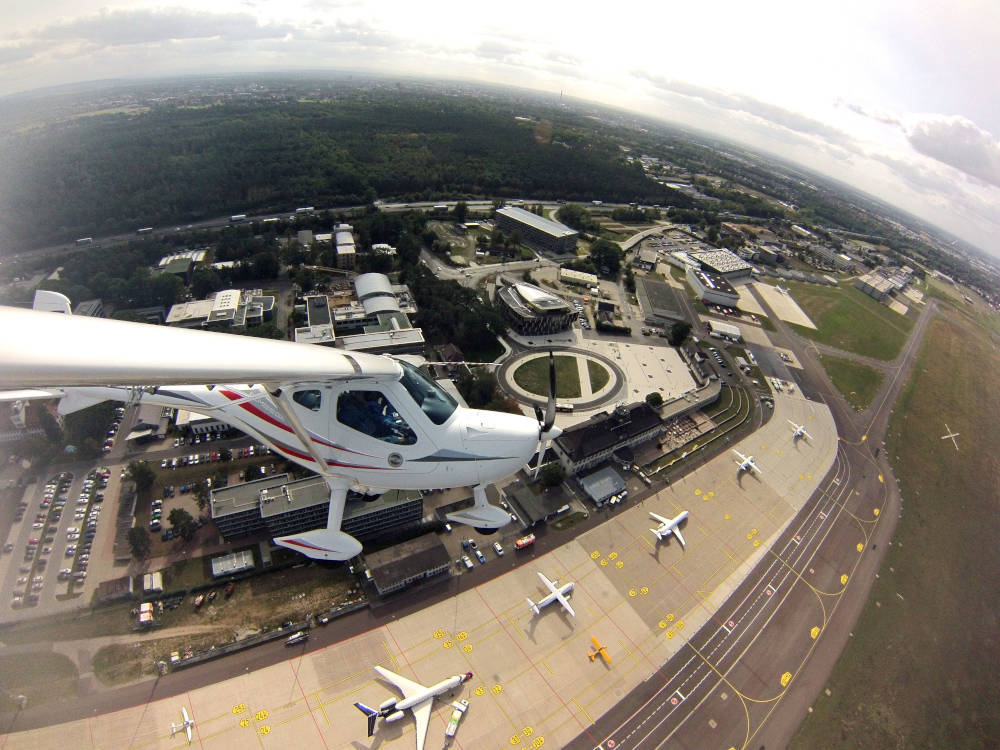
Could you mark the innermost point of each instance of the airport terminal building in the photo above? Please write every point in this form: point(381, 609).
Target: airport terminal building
point(533, 311)
point(586, 445)
point(536, 231)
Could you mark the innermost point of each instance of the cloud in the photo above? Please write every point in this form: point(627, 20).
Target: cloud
point(884, 117)
point(124, 27)
point(12, 53)
point(771, 113)
point(494, 50)
point(959, 143)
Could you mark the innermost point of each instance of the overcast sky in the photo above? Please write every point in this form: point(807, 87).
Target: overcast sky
point(898, 97)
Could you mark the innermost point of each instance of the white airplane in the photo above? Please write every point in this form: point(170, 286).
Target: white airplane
point(556, 593)
point(746, 463)
point(363, 422)
point(416, 697)
point(800, 431)
point(669, 526)
point(184, 726)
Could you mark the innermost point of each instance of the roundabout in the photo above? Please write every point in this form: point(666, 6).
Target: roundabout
point(584, 380)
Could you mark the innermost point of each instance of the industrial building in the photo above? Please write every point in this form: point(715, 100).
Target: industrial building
point(374, 319)
point(711, 288)
point(724, 330)
point(536, 231)
point(533, 311)
point(346, 252)
point(276, 506)
point(231, 308)
point(658, 301)
point(587, 444)
point(726, 264)
point(602, 484)
point(646, 258)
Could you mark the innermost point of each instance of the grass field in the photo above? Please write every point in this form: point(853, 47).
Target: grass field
point(851, 320)
point(41, 676)
point(921, 668)
point(599, 375)
point(533, 376)
point(859, 383)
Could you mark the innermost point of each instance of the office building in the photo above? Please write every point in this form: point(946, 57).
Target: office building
point(537, 232)
point(533, 311)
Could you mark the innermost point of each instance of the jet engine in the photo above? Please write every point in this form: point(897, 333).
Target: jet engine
point(395, 716)
point(387, 707)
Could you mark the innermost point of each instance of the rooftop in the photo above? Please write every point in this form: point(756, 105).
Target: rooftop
point(553, 228)
point(605, 430)
point(721, 261)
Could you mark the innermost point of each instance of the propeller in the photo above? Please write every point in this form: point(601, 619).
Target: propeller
point(546, 419)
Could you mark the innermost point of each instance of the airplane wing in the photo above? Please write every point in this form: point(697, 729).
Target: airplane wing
point(677, 533)
point(46, 349)
point(422, 715)
point(565, 602)
point(188, 728)
point(659, 518)
point(409, 687)
point(549, 584)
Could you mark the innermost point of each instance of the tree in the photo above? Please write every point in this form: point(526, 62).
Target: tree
point(607, 256)
point(182, 523)
point(461, 212)
point(576, 216)
point(201, 495)
point(679, 332)
point(654, 399)
point(142, 474)
point(551, 474)
point(138, 542)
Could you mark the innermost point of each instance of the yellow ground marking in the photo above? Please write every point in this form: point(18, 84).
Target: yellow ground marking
point(583, 711)
point(785, 679)
point(447, 644)
point(439, 633)
point(697, 492)
point(240, 708)
point(594, 555)
point(613, 556)
point(604, 562)
point(480, 690)
point(843, 580)
point(881, 479)
point(819, 594)
point(461, 636)
point(467, 648)
point(814, 633)
point(395, 666)
point(496, 689)
point(619, 564)
point(875, 511)
point(670, 634)
point(778, 451)
point(711, 494)
point(802, 476)
point(756, 542)
point(860, 546)
point(727, 517)
point(864, 437)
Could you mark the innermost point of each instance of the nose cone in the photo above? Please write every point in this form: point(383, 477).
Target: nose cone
point(508, 439)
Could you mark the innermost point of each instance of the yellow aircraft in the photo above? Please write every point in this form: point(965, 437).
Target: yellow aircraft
point(598, 650)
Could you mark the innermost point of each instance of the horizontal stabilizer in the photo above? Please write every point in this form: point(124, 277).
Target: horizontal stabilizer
point(371, 714)
point(532, 606)
point(322, 544)
point(481, 516)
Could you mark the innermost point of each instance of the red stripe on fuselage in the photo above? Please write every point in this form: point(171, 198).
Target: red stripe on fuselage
point(281, 425)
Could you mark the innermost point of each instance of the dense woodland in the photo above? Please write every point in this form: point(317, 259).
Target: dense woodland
point(100, 175)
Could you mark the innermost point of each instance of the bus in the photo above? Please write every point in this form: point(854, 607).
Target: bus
point(305, 210)
point(524, 541)
point(566, 408)
point(84, 241)
point(144, 230)
point(237, 218)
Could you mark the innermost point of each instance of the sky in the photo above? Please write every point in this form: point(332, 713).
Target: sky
point(898, 98)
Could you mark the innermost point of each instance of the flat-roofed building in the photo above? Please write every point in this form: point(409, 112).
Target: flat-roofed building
point(93, 308)
point(231, 308)
point(531, 310)
point(579, 278)
point(711, 288)
point(658, 301)
point(725, 264)
point(396, 567)
point(347, 256)
point(602, 484)
point(724, 330)
point(319, 324)
point(646, 258)
point(275, 506)
point(876, 286)
point(536, 231)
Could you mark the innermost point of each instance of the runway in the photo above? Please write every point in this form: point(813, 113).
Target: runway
point(533, 683)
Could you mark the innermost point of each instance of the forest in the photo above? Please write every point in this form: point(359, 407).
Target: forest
point(101, 175)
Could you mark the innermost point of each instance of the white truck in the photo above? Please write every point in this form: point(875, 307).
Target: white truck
point(456, 716)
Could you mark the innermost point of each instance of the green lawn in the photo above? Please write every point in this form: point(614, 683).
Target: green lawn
point(599, 375)
point(40, 676)
point(533, 376)
point(921, 668)
point(851, 320)
point(859, 383)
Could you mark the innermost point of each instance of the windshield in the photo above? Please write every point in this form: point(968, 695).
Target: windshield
point(435, 402)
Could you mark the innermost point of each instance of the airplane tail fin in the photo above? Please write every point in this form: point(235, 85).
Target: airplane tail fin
point(532, 606)
point(372, 715)
point(659, 536)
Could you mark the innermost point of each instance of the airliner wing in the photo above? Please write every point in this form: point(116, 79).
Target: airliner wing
point(659, 518)
point(677, 533)
point(565, 602)
point(409, 687)
point(422, 715)
point(549, 584)
point(188, 728)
